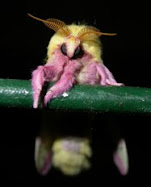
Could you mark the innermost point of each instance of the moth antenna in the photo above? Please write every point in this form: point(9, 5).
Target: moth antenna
point(87, 31)
point(53, 24)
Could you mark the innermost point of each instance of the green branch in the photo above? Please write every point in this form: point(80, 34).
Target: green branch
point(18, 93)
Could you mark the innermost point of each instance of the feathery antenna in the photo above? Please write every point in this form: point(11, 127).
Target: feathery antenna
point(53, 24)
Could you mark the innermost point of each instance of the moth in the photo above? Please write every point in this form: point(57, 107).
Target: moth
point(74, 56)
point(70, 155)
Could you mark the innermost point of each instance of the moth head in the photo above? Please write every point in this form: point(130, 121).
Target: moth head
point(72, 45)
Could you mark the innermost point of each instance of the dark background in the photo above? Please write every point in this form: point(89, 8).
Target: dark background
point(23, 47)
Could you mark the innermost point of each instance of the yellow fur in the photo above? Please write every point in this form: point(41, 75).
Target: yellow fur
point(92, 45)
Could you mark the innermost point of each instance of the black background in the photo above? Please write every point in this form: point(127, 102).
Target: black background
point(23, 47)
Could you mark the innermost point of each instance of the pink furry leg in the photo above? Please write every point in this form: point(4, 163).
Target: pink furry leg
point(111, 80)
point(43, 74)
point(38, 79)
point(65, 83)
point(106, 76)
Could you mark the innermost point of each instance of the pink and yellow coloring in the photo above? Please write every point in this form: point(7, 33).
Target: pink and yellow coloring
point(73, 57)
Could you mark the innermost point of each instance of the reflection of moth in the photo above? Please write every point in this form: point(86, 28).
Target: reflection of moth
point(71, 148)
point(70, 155)
point(73, 57)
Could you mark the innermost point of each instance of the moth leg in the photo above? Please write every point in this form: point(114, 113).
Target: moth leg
point(44, 74)
point(38, 79)
point(106, 76)
point(111, 80)
point(120, 157)
point(65, 83)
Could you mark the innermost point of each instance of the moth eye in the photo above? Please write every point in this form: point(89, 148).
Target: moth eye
point(64, 49)
point(78, 52)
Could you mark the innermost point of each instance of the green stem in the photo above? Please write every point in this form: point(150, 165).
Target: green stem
point(18, 93)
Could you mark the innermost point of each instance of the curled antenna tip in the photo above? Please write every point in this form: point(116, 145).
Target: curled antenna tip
point(34, 17)
point(29, 15)
point(109, 34)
